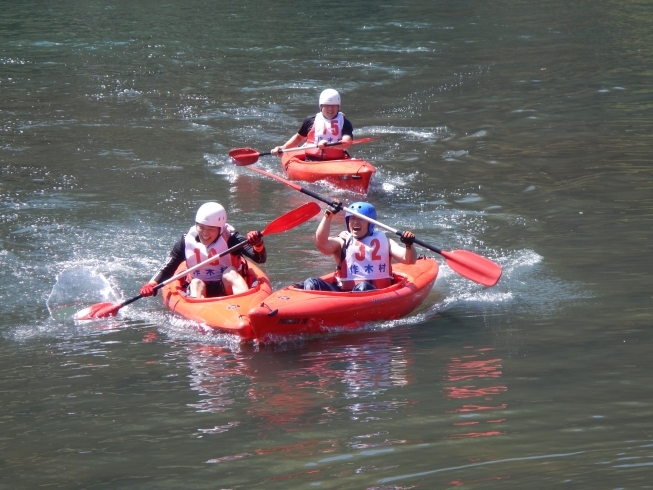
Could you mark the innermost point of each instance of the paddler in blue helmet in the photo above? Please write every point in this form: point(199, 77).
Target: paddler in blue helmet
point(209, 236)
point(363, 255)
point(327, 126)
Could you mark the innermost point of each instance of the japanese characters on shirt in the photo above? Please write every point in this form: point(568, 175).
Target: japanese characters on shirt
point(367, 259)
point(196, 252)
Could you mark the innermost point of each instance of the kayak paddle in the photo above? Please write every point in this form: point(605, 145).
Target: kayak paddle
point(247, 156)
point(283, 223)
point(468, 264)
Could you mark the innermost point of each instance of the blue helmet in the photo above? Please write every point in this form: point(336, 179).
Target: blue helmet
point(364, 208)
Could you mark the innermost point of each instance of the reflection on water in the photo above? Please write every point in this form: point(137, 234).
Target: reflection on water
point(280, 396)
point(276, 392)
point(477, 366)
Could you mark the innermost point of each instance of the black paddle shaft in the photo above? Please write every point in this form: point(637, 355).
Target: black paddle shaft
point(423, 244)
point(334, 204)
point(338, 206)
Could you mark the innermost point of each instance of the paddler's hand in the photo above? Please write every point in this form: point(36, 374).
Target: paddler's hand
point(408, 238)
point(148, 289)
point(276, 150)
point(255, 239)
point(335, 207)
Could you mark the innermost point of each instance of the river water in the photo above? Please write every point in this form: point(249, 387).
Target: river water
point(517, 130)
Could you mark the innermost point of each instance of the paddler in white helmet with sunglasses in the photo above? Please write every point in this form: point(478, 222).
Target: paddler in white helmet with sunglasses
point(327, 126)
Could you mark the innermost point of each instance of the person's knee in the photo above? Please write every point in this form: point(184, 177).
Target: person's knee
point(197, 288)
point(363, 286)
point(230, 275)
point(319, 284)
point(312, 284)
point(233, 282)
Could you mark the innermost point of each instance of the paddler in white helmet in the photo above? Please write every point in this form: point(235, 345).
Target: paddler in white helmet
point(209, 236)
point(327, 126)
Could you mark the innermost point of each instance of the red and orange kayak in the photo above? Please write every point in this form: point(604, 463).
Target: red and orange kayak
point(351, 174)
point(227, 314)
point(291, 311)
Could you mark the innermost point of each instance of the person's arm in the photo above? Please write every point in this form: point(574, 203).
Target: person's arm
point(407, 253)
point(298, 138)
point(347, 130)
point(347, 133)
point(293, 142)
point(326, 244)
point(255, 251)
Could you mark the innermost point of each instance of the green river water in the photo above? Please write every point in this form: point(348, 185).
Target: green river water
point(519, 130)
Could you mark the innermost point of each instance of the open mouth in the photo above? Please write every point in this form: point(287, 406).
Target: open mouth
point(205, 236)
point(356, 227)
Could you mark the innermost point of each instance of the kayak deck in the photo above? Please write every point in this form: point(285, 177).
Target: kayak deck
point(351, 174)
point(225, 314)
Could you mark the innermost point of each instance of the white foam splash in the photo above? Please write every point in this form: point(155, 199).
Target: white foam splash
point(417, 133)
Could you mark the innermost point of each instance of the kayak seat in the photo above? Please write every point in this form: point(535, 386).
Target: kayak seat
point(251, 279)
point(396, 279)
point(305, 158)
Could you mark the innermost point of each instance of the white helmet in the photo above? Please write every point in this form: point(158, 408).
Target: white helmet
point(211, 214)
point(329, 97)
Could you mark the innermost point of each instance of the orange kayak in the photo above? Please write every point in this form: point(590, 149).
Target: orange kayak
point(226, 314)
point(351, 174)
point(291, 311)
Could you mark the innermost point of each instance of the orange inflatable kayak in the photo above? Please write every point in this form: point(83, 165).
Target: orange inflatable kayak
point(291, 311)
point(351, 174)
point(226, 314)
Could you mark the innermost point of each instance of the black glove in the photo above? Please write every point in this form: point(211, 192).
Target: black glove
point(336, 206)
point(408, 237)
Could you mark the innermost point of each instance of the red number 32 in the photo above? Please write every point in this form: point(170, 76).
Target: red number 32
point(375, 244)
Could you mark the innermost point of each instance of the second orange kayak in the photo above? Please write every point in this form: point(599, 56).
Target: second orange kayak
point(351, 174)
point(226, 314)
